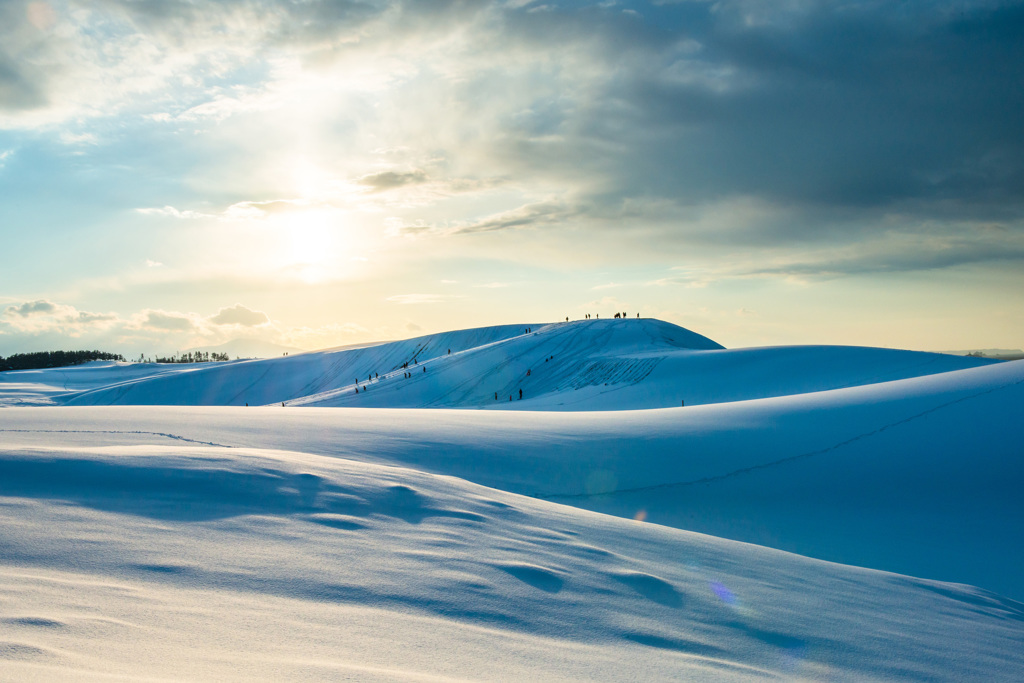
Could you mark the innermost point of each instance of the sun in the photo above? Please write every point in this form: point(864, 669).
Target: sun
point(309, 242)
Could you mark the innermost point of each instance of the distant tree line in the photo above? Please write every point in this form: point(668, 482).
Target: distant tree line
point(194, 357)
point(53, 359)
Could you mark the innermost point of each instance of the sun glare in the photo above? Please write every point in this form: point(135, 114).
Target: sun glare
point(310, 242)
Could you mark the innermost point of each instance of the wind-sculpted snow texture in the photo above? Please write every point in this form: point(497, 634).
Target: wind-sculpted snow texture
point(585, 365)
point(239, 564)
point(305, 543)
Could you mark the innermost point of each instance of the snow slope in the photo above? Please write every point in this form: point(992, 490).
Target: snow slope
point(585, 365)
point(305, 543)
point(919, 476)
point(206, 562)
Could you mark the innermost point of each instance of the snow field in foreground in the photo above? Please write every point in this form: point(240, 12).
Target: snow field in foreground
point(235, 564)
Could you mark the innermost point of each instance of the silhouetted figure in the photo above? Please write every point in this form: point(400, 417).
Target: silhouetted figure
point(510, 397)
point(638, 316)
point(495, 395)
point(449, 352)
point(682, 403)
point(520, 395)
point(246, 405)
point(357, 390)
point(376, 376)
point(282, 404)
point(527, 373)
point(566, 318)
point(424, 368)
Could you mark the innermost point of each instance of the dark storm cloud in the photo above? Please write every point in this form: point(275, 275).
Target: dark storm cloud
point(841, 104)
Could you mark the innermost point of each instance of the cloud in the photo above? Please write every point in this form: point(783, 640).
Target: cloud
point(526, 216)
point(239, 211)
point(30, 308)
point(239, 315)
point(158, 320)
point(4, 156)
point(689, 131)
point(42, 315)
point(873, 259)
point(43, 324)
point(69, 138)
point(171, 212)
point(387, 180)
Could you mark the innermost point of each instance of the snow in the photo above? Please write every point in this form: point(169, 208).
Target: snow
point(312, 543)
point(585, 365)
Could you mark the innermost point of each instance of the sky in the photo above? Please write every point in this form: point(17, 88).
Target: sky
point(181, 173)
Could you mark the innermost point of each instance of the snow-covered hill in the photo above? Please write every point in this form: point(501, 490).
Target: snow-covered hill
point(553, 541)
point(584, 365)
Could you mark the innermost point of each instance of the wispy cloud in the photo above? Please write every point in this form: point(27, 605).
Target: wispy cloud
point(171, 212)
point(523, 217)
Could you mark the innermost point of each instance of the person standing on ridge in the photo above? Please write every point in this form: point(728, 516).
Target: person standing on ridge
point(520, 395)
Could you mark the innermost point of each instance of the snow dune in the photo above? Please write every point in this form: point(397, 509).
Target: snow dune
point(305, 542)
point(584, 365)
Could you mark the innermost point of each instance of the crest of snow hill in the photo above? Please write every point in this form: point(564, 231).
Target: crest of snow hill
point(468, 536)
